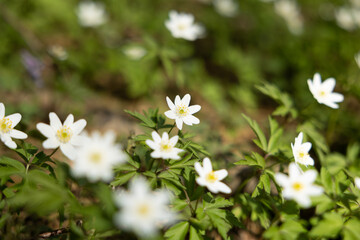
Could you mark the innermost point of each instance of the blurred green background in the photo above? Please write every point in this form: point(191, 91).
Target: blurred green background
point(50, 62)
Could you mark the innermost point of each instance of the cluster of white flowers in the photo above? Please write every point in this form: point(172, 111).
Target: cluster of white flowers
point(93, 156)
point(142, 210)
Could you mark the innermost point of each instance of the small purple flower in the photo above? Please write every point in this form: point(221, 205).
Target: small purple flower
point(33, 66)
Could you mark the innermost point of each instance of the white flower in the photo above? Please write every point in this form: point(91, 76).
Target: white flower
point(182, 112)
point(348, 18)
point(163, 146)
point(227, 8)
point(181, 25)
point(91, 14)
point(59, 52)
point(301, 151)
point(357, 182)
point(7, 130)
point(290, 12)
point(97, 156)
point(135, 52)
point(323, 92)
point(142, 210)
point(65, 136)
point(211, 179)
point(299, 186)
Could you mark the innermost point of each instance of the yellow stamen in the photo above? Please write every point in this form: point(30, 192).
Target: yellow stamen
point(182, 110)
point(297, 186)
point(95, 157)
point(211, 177)
point(64, 134)
point(322, 93)
point(143, 210)
point(5, 125)
point(165, 147)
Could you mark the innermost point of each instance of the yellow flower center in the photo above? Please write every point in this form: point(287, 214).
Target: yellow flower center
point(302, 154)
point(297, 186)
point(143, 209)
point(95, 157)
point(211, 177)
point(64, 134)
point(181, 27)
point(182, 111)
point(322, 93)
point(5, 125)
point(165, 147)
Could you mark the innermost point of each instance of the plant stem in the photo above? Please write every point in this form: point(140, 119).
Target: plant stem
point(172, 127)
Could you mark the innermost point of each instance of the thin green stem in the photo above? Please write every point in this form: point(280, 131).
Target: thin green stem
point(172, 128)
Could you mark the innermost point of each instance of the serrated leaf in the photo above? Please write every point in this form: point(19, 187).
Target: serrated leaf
point(194, 234)
point(124, 178)
point(323, 229)
point(351, 229)
point(147, 122)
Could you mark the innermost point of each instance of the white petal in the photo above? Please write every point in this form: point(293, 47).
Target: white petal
point(14, 118)
point(194, 109)
point(170, 103)
point(281, 179)
point(309, 176)
point(317, 80)
point(357, 182)
point(2, 111)
point(186, 100)
point(221, 174)
point(78, 140)
point(199, 169)
point(331, 104)
point(201, 181)
point(212, 188)
point(156, 154)
point(336, 97)
point(68, 150)
point(306, 146)
point(207, 167)
point(69, 120)
point(222, 187)
point(329, 84)
point(315, 190)
point(78, 126)
point(294, 171)
point(151, 144)
point(170, 114)
point(179, 123)
point(55, 122)
point(174, 140)
point(311, 86)
point(10, 144)
point(45, 130)
point(165, 137)
point(156, 137)
point(309, 161)
point(191, 120)
point(303, 200)
point(18, 134)
point(187, 120)
point(177, 100)
point(299, 139)
point(51, 143)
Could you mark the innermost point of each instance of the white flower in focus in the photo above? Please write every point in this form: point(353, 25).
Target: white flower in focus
point(7, 131)
point(182, 112)
point(301, 151)
point(142, 210)
point(91, 14)
point(227, 8)
point(357, 182)
point(357, 59)
point(211, 179)
point(163, 146)
point(323, 92)
point(181, 25)
point(65, 136)
point(290, 12)
point(97, 156)
point(299, 186)
point(135, 52)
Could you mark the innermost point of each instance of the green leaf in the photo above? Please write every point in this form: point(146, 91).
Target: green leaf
point(275, 134)
point(123, 178)
point(254, 160)
point(12, 162)
point(147, 121)
point(351, 229)
point(194, 234)
point(330, 226)
point(326, 180)
point(178, 231)
point(218, 219)
point(257, 130)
